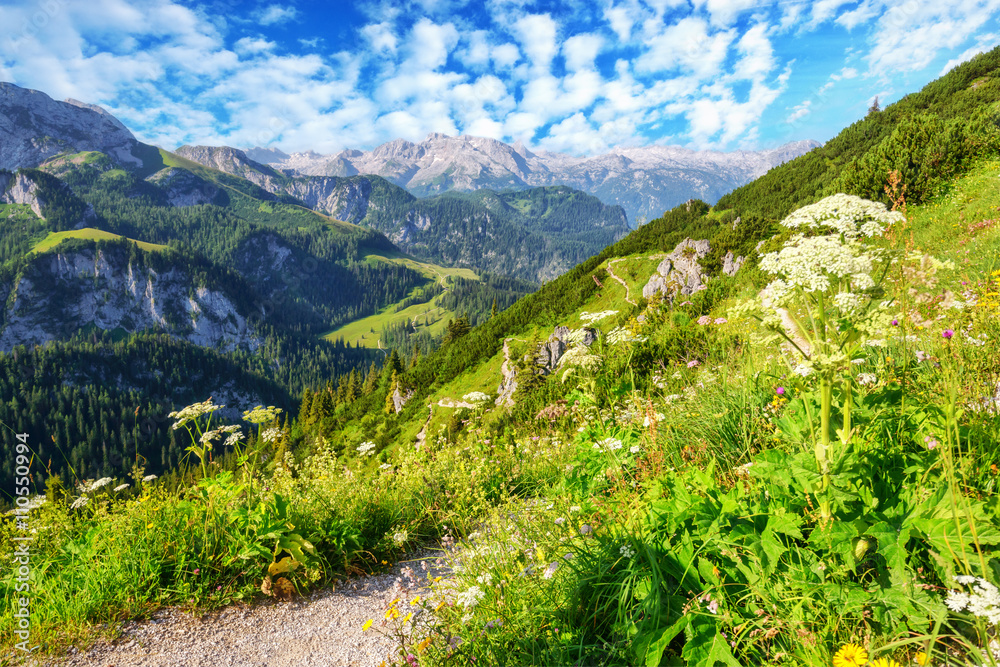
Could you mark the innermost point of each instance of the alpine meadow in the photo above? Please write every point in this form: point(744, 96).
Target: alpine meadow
point(758, 430)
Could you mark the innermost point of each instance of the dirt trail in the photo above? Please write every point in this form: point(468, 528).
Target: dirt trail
point(319, 630)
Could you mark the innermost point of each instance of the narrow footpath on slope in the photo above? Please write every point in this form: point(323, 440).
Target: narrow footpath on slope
point(322, 629)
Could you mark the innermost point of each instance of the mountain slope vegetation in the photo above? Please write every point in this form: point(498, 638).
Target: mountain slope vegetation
point(654, 459)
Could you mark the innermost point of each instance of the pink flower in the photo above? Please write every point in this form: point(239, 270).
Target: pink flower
point(197, 571)
point(720, 320)
point(948, 333)
point(704, 320)
point(780, 391)
point(693, 363)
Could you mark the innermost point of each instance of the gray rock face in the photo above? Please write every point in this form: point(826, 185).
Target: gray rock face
point(62, 292)
point(730, 266)
point(34, 127)
point(400, 398)
point(19, 189)
point(508, 379)
point(184, 188)
point(680, 272)
point(645, 181)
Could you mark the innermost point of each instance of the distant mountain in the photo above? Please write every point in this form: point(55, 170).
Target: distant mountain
point(533, 234)
point(644, 181)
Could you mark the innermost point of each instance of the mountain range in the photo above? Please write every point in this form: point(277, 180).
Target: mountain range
point(644, 181)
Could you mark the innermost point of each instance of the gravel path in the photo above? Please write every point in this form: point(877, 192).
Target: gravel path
point(322, 630)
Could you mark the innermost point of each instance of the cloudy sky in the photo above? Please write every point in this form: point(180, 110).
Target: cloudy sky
point(578, 76)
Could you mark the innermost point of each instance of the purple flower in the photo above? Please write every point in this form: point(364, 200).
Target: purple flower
point(948, 333)
point(197, 571)
point(895, 323)
point(780, 391)
point(692, 364)
point(411, 659)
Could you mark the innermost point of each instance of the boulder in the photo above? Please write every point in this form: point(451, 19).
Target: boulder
point(680, 273)
point(730, 266)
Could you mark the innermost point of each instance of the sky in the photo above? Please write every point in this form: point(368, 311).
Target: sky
point(577, 76)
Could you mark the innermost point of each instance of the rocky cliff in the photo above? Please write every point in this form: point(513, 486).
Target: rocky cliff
point(34, 127)
point(61, 293)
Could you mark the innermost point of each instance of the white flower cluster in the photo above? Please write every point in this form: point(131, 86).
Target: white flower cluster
point(366, 448)
point(121, 487)
point(262, 415)
point(149, 478)
point(627, 551)
point(835, 259)
point(476, 397)
point(79, 502)
point(235, 435)
point(983, 601)
point(470, 598)
point(400, 538)
point(485, 578)
point(608, 445)
point(593, 318)
point(88, 487)
point(194, 411)
point(623, 335)
point(867, 378)
point(844, 214)
point(270, 435)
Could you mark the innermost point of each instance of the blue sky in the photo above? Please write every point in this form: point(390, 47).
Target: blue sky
point(575, 76)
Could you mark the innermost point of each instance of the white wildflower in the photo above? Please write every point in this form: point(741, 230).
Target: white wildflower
point(94, 486)
point(550, 570)
point(366, 448)
point(560, 521)
point(79, 502)
point(149, 478)
point(121, 487)
point(476, 397)
point(635, 449)
point(574, 508)
point(193, 411)
point(593, 318)
point(270, 435)
point(470, 598)
point(626, 551)
point(400, 538)
point(262, 415)
point(485, 578)
point(867, 378)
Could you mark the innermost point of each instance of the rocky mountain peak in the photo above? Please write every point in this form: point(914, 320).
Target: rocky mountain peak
point(34, 127)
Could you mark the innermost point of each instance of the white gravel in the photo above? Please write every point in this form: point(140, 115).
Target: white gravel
point(322, 629)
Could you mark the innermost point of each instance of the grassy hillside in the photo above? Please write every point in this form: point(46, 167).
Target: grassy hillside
point(90, 234)
point(796, 465)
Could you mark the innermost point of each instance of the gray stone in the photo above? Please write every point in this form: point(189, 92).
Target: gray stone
point(730, 266)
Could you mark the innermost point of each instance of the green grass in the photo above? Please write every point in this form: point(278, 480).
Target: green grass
point(429, 316)
point(366, 332)
point(89, 233)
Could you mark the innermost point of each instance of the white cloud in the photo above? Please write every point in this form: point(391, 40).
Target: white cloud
point(724, 12)
point(863, 13)
point(431, 43)
point(824, 10)
point(911, 35)
point(537, 33)
point(581, 50)
point(621, 21)
point(799, 112)
point(757, 54)
point(505, 55)
point(983, 44)
point(252, 45)
point(381, 36)
point(688, 44)
point(273, 14)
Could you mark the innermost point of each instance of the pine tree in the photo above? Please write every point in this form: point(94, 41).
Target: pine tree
point(493, 311)
point(390, 407)
point(874, 108)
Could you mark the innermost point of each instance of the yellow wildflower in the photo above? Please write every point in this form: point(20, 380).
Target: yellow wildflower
point(367, 625)
point(415, 600)
point(850, 655)
point(884, 662)
point(410, 615)
point(423, 645)
point(921, 658)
